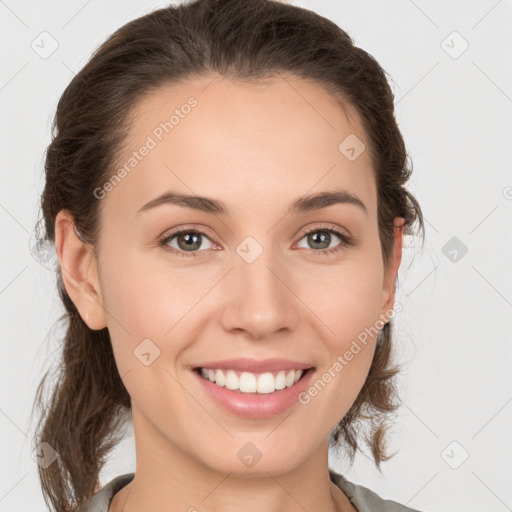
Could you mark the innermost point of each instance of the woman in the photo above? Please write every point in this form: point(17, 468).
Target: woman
point(225, 190)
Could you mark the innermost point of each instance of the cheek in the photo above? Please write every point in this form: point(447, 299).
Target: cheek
point(145, 296)
point(349, 307)
point(146, 310)
point(351, 314)
point(350, 299)
point(148, 302)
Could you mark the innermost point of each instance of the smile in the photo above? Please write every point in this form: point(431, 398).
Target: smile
point(248, 382)
point(262, 397)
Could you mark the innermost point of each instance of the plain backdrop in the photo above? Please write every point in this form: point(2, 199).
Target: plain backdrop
point(449, 63)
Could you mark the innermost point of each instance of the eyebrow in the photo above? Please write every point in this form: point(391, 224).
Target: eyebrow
point(300, 205)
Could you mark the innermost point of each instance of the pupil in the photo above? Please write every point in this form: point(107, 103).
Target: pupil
point(191, 241)
point(324, 237)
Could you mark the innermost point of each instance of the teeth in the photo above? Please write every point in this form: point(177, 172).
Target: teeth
point(252, 383)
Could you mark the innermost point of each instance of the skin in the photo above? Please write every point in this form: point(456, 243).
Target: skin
point(256, 147)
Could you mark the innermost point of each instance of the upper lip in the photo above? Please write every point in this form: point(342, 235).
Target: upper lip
point(254, 365)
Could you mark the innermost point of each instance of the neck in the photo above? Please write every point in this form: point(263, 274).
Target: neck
point(167, 478)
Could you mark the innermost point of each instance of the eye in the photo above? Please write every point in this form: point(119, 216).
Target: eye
point(321, 237)
point(187, 241)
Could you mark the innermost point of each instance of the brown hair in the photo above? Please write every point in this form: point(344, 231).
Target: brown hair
point(239, 39)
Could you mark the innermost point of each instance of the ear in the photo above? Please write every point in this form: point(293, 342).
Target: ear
point(391, 270)
point(79, 271)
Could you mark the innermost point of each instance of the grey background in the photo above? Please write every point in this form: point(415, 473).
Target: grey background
point(454, 108)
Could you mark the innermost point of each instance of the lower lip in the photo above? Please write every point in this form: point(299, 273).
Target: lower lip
point(256, 405)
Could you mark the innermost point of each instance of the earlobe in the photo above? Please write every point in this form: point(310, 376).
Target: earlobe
point(79, 271)
point(391, 270)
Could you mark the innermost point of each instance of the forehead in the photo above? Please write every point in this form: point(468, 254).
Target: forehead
point(244, 142)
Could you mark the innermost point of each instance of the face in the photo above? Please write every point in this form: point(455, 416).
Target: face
point(255, 279)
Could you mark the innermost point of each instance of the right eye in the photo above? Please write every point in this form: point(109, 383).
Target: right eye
point(187, 240)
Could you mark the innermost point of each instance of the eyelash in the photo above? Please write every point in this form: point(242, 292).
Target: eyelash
point(346, 241)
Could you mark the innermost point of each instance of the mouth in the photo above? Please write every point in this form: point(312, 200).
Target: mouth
point(254, 395)
point(253, 383)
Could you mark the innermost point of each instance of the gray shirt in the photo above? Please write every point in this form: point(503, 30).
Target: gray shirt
point(363, 499)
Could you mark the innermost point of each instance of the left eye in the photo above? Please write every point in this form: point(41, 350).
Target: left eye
point(323, 237)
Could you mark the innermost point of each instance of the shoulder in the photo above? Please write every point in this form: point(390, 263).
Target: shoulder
point(100, 501)
point(364, 499)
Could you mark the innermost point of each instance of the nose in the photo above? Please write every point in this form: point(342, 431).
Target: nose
point(260, 298)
